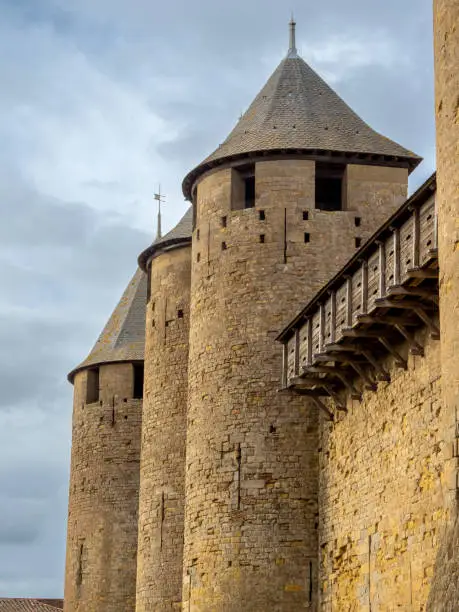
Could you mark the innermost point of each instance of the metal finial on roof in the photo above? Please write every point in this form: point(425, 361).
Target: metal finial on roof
point(160, 198)
point(292, 52)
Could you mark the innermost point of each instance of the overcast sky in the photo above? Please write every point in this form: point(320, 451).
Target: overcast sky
point(100, 101)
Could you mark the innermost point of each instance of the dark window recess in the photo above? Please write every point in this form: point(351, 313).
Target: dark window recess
point(180, 313)
point(198, 257)
point(262, 238)
point(148, 281)
point(243, 187)
point(194, 200)
point(224, 221)
point(92, 386)
point(307, 237)
point(305, 215)
point(223, 246)
point(138, 380)
point(197, 234)
point(261, 215)
point(357, 221)
point(358, 243)
point(329, 186)
point(249, 200)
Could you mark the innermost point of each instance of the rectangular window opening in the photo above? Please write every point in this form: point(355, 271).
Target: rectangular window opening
point(198, 235)
point(223, 246)
point(357, 221)
point(198, 257)
point(307, 237)
point(261, 215)
point(358, 243)
point(262, 238)
point(243, 187)
point(92, 386)
point(138, 380)
point(224, 221)
point(180, 313)
point(330, 186)
point(305, 215)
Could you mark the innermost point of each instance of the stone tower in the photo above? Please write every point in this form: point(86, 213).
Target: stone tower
point(104, 478)
point(445, 587)
point(162, 470)
point(296, 187)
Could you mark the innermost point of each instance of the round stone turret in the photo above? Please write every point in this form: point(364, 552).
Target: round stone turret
point(104, 476)
point(276, 213)
point(162, 470)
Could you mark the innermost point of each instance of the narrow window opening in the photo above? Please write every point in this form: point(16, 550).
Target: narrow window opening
point(138, 380)
point(262, 238)
point(180, 313)
point(306, 237)
point(261, 215)
point(305, 215)
point(329, 186)
point(358, 243)
point(198, 257)
point(224, 221)
point(357, 221)
point(198, 234)
point(249, 200)
point(243, 187)
point(92, 386)
point(223, 246)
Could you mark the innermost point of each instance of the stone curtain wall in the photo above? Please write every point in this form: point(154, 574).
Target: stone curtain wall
point(445, 588)
point(103, 500)
point(251, 468)
point(162, 490)
point(382, 508)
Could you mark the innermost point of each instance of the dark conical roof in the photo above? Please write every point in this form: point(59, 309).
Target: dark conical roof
point(297, 110)
point(123, 337)
point(179, 235)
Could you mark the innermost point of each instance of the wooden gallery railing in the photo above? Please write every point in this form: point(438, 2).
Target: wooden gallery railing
point(336, 346)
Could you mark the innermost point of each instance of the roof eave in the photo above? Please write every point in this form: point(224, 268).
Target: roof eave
point(155, 249)
point(409, 161)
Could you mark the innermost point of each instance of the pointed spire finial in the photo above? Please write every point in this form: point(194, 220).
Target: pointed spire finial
point(292, 52)
point(160, 198)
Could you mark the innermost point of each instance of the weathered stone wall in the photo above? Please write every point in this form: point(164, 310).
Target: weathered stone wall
point(162, 488)
point(445, 588)
point(382, 509)
point(251, 466)
point(103, 499)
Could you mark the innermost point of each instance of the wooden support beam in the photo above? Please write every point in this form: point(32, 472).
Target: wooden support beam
point(386, 320)
point(349, 302)
point(311, 392)
point(423, 273)
point(382, 269)
point(382, 374)
point(396, 256)
point(321, 328)
point(415, 347)
point(364, 303)
point(323, 408)
point(297, 353)
point(361, 372)
point(402, 304)
point(284, 380)
point(336, 398)
point(401, 363)
point(434, 330)
point(309, 336)
point(416, 237)
point(361, 333)
point(333, 317)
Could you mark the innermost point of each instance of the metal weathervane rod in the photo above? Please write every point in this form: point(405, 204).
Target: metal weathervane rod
point(159, 197)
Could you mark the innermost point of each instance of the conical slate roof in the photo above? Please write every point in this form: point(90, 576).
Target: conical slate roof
point(296, 110)
point(123, 337)
point(179, 235)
